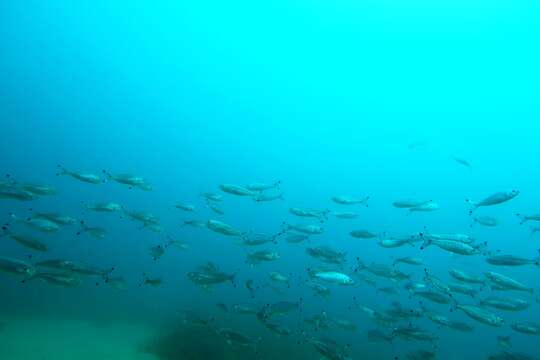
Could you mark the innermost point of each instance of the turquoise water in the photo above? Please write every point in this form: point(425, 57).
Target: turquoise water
point(330, 98)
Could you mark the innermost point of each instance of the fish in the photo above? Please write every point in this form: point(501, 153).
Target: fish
point(104, 207)
point(195, 223)
point(504, 282)
point(244, 309)
point(363, 234)
point(27, 241)
point(279, 277)
point(262, 256)
point(315, 213)
point(511, 260)
point(504, 342)
point(414, 333)
point(349, 200)
point(327, 254)
point(344, 214)
point(94, 231)
point(453, 246)
point(462, 289)
point(17, 267)
point(318, 289)
point(396, 242)
point(505, 303)
point(40, 224)
point(426, 207)
point(143, 217)
point(263, 197)
point(383, 271)
point(494, 199)
point(334, 277)
point(433, 296)
point(216, 209)
point(151, 281)
point(133, 181)
point(256, 239)
point(185, 207)
point(329, 348)
point(309, 229)
point(209, 274)
point(527, 218)
point(208, 196)
point(223, 228)
point(263, 186)
point(486, 221)
point(78, 267)
point(157, 252)
point(293, 238)
point(409, 260)
point(66, 279)
point(237, 190)
point(464, 277)
point(84, 177)
point(481, 315)
point(528, 328)
point(408, 204)
point(462, 162)
point(56, 218)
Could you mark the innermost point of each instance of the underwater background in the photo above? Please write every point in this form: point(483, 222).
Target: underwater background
point(393, 100)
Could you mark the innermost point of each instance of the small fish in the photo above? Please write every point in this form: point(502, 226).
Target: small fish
point(494, 199)
point(344, 214)
point(84, 177)
point(526, 218)
point(157, 252)
point(212, 196)
point(185, 207)
point(408, 204)
point(426, 207)
point(154, 282)
point(464, 277)
point(481, 315)
point(262, 256)
point(27, 241)
point(511, 260)
point(363, 234)
point(268, 197)
point(462, 162)
point(61, 279)
point(263, 186)
point(94, 231)
point(216, 209)
point(504, 282)
point(104, 207)
point(528, 328)
point(195, 223)
point(486, 221)
point(223, 228)
point(309, 229)
point(505, 303)
point(504, 342)
point(133, 181)
point(409, 260)
point(296, 238)
point(332, 277)
point(349, 200)
point(237, 190)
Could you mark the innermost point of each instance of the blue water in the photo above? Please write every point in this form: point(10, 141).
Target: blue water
point(326, 97)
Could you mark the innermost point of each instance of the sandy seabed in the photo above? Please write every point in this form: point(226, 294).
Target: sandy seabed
point(60, 339)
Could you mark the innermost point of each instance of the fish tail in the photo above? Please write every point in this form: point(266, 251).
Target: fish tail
point(61, 170)
point(522, 218)
point(108, 174)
